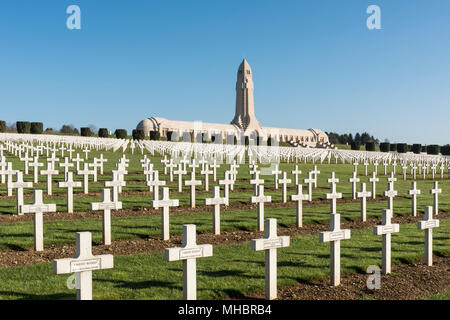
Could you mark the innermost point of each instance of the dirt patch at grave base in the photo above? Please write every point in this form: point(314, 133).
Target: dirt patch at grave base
point(19, 256)
point(200, 208)
point(408, 281)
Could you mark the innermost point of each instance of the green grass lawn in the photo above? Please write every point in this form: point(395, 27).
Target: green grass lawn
point(233, 270)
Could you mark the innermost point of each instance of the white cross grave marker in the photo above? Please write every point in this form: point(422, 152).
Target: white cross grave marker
point(188, 253)
point(260, 199)
point(414, 192)
point(69, 184)
point(334, 236)
point(428, 224)
point(83, 264)
point(363, 195)
point(299, 197)
point(38, 208)
point(216, 201)
point(165, 203)
point(106, 205)
point(270, 243)
point(385, 230)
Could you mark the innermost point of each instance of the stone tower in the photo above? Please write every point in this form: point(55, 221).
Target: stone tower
point(244, 117)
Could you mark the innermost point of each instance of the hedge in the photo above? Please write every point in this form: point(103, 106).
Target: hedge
point(85, 132)
point(402, 148)
point(445, 150)
point(416, 148)
point(37, 127)
point(393, 147)
point(23, 126)
point(2, 126)
point(356, 145)
point(370, 146)
point(103, 133)
point(155, 135)
point(385, 147)
point(433, 149)
point(138, 134)
point(121, 133)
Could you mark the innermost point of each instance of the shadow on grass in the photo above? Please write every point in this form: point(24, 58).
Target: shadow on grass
point(27, 296)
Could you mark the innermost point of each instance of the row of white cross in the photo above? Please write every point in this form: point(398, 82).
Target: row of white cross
point(85, 262)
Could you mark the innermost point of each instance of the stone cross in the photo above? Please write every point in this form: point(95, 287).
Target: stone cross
point(62, 148)
point(165, 203)
point(100, 161)
point(391, 193)
point(52, 160)
point(385, 230)
point(216, 201)
point(180, 173)
point(19, 185)
point(296, 172)
point(285, 181)
point(115, 184)
point(385, 164)
point(49, 173)
point(106, 205)
point(256, 181)
point(192, 183)
point(299, 197)
point(354, 180)
point(414, 171)
point(171, 165)
point(334, 236)
point(366, 165)
point(83, 264)
point(333, 195)
point(215, 166)
point(94, 167)
point(355, 165)
point(77, 160)
point(86, 152)
point(9, 172)
point(38, 208)
point(188, 253)
point(206, 172)
point(66, 165)
point(3, 166)
point(404, 171)
point(155, 183)
point(70, 150)
point(193, 165)
point(316, 173)
point(121, 171)
point(428, 224)
point(414, 192)
point(69, 184)
point(270, 243)
point(165, 161)
point(436, 192)
point(310, 182)
point(260, 199)
point(374, 181)
point(276, 172)
point(226, 182)
point(392, 179)
point(375, 166)
point(35, 164)
point(86, 172)
point(27, 160)
point(363, 195)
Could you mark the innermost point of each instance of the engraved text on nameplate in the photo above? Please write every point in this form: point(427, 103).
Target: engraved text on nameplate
point(191, 253)
point(86, 265)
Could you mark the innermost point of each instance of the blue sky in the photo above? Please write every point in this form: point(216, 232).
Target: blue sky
point(315, 64)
